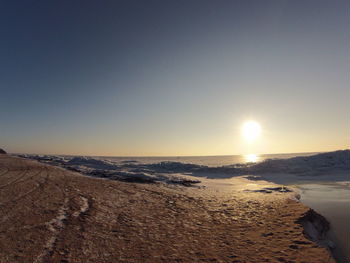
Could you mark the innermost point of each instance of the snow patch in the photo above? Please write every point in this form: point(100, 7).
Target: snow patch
point(315, 165)
point(55, 225)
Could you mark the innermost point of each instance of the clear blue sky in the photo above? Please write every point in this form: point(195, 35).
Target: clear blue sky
point(173, 77)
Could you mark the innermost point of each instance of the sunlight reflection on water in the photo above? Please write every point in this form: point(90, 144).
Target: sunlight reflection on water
point(251, 158)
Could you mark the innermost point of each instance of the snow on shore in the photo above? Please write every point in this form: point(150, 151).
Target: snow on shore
point(315, 165)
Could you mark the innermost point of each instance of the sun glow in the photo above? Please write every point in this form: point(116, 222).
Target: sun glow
point(251, 130)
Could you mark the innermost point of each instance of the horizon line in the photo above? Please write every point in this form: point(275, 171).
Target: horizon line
point(165, 156)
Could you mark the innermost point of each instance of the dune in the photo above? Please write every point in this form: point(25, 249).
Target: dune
point(50, 214)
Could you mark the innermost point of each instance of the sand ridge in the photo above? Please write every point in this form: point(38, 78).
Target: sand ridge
point(52, 215)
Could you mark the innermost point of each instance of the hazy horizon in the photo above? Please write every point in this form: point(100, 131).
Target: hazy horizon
point(174, 78)
point(165, 156)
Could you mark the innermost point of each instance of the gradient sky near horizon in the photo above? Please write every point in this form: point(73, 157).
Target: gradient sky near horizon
point(180, 77)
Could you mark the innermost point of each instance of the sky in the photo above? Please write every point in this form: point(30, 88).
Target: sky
point(170, 78)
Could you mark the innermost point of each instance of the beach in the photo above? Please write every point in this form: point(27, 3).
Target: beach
point(49, 214)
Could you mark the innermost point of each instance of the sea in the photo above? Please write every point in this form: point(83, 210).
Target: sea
point(211, 161)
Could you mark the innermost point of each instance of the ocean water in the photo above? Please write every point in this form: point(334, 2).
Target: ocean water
point(332, 200)
point(211, 161)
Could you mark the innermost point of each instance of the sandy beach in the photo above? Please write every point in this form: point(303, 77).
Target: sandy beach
point(49, 214)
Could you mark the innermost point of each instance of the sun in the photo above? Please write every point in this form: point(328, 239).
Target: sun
point(251, 130)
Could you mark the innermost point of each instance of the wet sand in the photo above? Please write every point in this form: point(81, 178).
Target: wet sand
point(52, 215)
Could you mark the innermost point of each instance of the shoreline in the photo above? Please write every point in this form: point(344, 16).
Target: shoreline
point(330, 199)
point(88, 218)
point(316, 227)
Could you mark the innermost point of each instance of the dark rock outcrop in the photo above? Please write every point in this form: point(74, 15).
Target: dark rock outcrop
point(2, 151)
point(316, 228)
